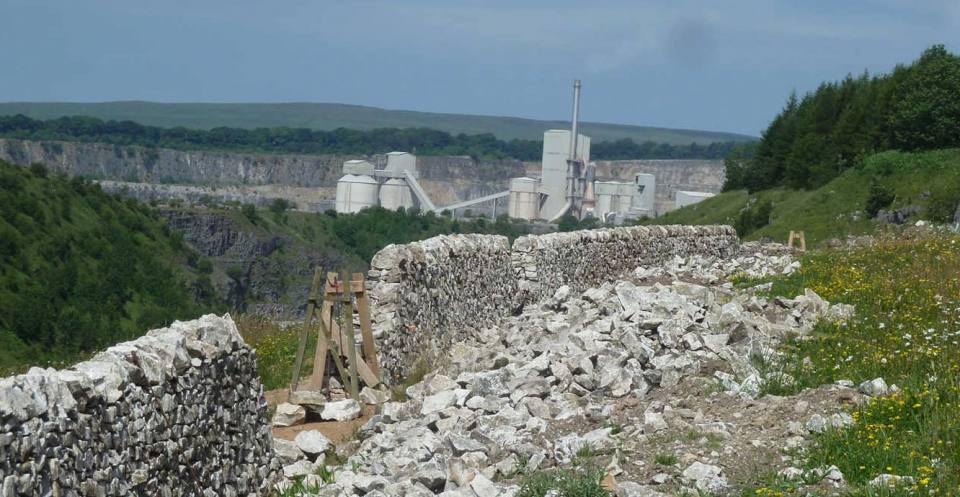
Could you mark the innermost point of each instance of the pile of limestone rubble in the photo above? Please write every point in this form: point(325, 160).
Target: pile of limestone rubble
point(654, 366)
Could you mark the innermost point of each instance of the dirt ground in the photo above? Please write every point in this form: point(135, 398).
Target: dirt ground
point(337, 431)
point(745, 437)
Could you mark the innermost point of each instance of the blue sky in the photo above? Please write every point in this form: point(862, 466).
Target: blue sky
point(723, 65)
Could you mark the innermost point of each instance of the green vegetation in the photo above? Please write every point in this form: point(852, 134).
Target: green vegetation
point(324, 116)
point(928, 180)
point(755, 215)
point(80, 269)
point(907, 298)
point(275, 346)
point(422, 141)
point(666, 459)
point(815, 139)
point(368, 231)
point(564, 483)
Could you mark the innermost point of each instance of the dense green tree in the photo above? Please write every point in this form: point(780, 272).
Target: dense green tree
point(814, 139)
point(925, 110)
point(80, 269)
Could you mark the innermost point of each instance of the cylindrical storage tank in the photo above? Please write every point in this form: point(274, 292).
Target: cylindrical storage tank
point(524, 198)
point(355, 193)
point(343, 191)
point(395, 194)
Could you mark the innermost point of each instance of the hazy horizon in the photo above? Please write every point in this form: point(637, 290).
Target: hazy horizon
point(665, 64)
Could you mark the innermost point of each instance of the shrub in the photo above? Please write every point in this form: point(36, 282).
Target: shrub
point(250, 212)
point(754, 216)
point(880, 197)
point(943, 203)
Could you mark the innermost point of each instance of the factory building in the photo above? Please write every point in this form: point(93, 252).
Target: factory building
point(567, 185)
point(392, 187)
point(553, 175)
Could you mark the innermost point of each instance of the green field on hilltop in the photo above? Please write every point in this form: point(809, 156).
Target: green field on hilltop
point(929, 180)
point(328, 116)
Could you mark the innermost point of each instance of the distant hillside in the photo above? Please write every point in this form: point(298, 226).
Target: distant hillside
point(927, 183)
point(325, 116)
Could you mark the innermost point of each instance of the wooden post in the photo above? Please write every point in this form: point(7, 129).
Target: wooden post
point(332, 291)
point(797, 236)
point(334, 351)
point(366, 327)
point(347, 325)
point(301, 347)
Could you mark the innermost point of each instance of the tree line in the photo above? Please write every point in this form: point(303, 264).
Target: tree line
point(815, 138)
point(423, 141)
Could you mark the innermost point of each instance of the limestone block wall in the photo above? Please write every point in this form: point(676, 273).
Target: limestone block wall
point(179, 411)
point(583, 259)
point(428, 295)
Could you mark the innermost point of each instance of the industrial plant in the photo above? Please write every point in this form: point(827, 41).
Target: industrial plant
point(567, 185)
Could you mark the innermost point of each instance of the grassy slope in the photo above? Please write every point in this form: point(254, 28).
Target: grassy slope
point(835, 209)
point(331, 116)
point(907, 297)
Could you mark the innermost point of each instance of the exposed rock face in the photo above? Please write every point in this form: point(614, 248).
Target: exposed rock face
point(179, 411)
point(272, 273)
point(448, 178)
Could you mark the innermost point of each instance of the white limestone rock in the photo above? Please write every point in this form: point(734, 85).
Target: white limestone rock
point(288, 414)
point(312, 442)
point(340, 410)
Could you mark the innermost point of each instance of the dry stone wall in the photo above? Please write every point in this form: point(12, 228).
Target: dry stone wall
point(583, 259)
point(179, 411)
point(429, 295)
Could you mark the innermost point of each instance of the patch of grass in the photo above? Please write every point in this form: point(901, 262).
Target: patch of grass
point(666, 459)
point(420, 369)
point(276, 349)
point(906, 330)
point(564, 483)
point(298, 489)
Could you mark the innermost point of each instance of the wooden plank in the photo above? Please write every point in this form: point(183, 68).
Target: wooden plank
point(366, 328)
point(302, 345)
point(331, 291)
point(322, 348)
point(325, 338)
point(347, 323)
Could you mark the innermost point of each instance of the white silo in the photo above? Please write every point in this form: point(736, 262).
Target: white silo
point(395, 194)
point(524, 198)
point(355, 192)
